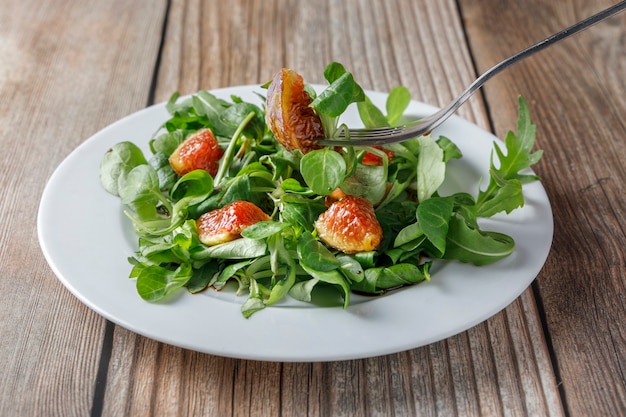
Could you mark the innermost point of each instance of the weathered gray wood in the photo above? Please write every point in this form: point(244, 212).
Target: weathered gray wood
point(67, 69)
point(577, 95)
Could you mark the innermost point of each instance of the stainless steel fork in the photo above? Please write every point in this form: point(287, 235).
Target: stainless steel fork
point(388, 135)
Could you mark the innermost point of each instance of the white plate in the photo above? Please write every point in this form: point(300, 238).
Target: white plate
point(87, 240)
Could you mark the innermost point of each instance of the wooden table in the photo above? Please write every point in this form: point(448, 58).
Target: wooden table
point(69, 68)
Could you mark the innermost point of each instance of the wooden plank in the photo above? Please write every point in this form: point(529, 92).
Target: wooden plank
point(577, 96)
point(62, 77)
point(500, 367)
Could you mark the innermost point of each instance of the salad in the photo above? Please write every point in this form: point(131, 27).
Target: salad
point(236, 193)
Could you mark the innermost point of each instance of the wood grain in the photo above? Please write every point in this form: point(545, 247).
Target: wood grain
point(61, 81)
point(576, 91)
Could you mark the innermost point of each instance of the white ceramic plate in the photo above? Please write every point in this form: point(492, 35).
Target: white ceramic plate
point(87, 240)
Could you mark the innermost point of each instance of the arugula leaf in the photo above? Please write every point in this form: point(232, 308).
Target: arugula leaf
point(471, 245)
point(507, 179)
point(507, 197)
point(518, 148)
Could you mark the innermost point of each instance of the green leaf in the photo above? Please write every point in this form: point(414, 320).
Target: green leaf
point(279, 254)
point(155, 282)
point(331, 277)
point(232, 189)
point(408, 234)
point(351, 268)
point(471, 245)
point(397, 102)
point(334, 100)
point(303, 290)
point(236, 249)
point(507, 197)
point(293, 185)
point(213, 108)
point(117, 163)
point(234, 114)
point(141, 186)
point(518, 147)
point(379, 279)
point(202, 277)
point(254, 302)
point(192, 188)
point(370, 115)
point(300, 212)
point(450, 150)
point(264, 229)
point(507, 174)
point(166, 143)
point(433, 216)
point(369, 182)
point(333, 71)
point(323, 170)
point(167, 176)
point(315, 254)
point(431, 168)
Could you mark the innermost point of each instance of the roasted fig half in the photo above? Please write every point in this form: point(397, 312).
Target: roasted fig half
point(294, 124)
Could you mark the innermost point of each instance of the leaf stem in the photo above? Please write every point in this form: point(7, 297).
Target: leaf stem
point(227, 159)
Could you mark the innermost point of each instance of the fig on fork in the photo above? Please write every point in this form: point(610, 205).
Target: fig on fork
point(294, 124)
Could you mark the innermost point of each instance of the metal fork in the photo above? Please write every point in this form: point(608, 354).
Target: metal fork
point(388, 135)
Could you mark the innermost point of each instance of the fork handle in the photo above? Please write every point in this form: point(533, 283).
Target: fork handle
point(427, 124)
point(539, 46)
point(439, 117)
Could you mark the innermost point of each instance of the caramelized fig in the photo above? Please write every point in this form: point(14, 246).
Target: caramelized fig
point(199, 151)
point(294, 124)
point(350, 225)
point(227, 223)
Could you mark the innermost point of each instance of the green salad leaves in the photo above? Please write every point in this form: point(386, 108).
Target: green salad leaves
point(283, 256)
